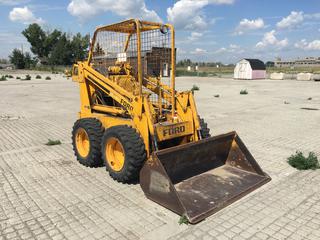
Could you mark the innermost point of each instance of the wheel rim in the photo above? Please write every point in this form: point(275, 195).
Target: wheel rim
point(82, 142)
point(115, 154)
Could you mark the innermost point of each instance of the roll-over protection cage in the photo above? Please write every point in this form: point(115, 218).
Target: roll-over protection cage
point(148, 47)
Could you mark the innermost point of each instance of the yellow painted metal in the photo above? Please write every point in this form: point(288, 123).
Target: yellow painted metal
point(139, 56)
point(166, 131)
point(153, 120)
point(74, 73)
point(82, 142)
point(107, 109)
point(173, 70)
point(115, 154)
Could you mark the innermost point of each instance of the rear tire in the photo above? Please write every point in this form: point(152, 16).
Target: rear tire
point(86, 140)
point(123, 152)
point(205, 131)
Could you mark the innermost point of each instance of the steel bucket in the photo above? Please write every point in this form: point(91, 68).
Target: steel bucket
point(198, 179)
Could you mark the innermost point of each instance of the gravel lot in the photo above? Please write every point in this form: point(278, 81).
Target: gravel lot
point(46, 194)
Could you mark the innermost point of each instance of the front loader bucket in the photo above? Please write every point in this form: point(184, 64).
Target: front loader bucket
point(198, 179)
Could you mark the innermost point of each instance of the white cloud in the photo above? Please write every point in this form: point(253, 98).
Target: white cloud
point(199, 51)
point(303, 44)
point(84, 9)
point(195, 36)
point(12, 2)
point(233, 48)
point(291, 21)
point(249, 25)
point(186, 14)
point(24, 15)
point(270, 39)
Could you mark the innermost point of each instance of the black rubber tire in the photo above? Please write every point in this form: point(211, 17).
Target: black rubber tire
point(135, 153)
point(205, 131)
point(94, 129)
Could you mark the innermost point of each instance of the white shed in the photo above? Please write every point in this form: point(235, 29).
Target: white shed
point(250, 69)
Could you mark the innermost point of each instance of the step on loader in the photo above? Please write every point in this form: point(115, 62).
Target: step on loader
point(133, 121)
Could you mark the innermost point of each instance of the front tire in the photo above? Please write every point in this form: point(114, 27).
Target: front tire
point(86, 140)
point(123, 152)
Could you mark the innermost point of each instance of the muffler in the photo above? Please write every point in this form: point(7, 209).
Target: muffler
point(200, 178)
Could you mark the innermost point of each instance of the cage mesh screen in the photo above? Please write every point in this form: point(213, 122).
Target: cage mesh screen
point(121, 44)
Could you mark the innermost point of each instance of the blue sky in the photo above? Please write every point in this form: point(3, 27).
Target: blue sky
point(207, 30)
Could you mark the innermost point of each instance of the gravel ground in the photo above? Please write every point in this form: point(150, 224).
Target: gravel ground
point(46, 194)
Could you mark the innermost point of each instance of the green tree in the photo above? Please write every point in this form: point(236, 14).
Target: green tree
point(20, 60)
point(37, 39)
point(17, 58)
point(56, 47)
point(79, 46)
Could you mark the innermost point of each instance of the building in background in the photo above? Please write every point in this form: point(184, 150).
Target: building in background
point(305, 62)
point(250, 69)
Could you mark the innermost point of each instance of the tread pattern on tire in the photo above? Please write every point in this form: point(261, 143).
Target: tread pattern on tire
point(135, 153)
point(205, 131)
point(95, 130)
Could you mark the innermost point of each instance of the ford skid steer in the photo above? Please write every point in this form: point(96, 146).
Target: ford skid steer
point(133, 121)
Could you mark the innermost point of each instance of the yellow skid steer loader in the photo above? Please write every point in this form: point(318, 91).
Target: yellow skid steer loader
point(133, 121)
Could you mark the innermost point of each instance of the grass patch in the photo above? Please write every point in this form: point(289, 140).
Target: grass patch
point(38, 77)
point(53, 142)
point(183, 220)
point(3, 78)
point(48, 78)
point(299, 161)
point(186, 73)
point(244, 92)
point(27, 78)
point(195, 88)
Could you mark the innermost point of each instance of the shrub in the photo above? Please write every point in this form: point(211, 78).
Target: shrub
point(299, 161)
point(28, 77)
point(17, 77)
point(244, 92)
point(3, 78)
point(216, 96)
point(10, 76)
point(48, 78)
point(195, 88)
point(38, 77)
point(310, 98)
point(53, 142)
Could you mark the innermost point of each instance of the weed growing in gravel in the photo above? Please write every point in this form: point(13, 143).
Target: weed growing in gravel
point(216, 96)
point(48, 78)
point(53, 142)
point(38, 77)
point(244, 92)
point(299, 161)
point(183, 220)
point(195, 88)
point(310, 98)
